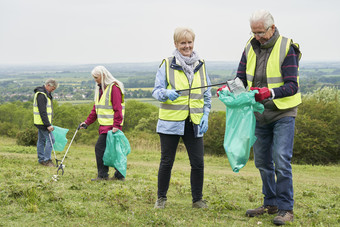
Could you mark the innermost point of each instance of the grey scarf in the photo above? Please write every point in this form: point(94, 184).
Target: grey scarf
point(187, 63)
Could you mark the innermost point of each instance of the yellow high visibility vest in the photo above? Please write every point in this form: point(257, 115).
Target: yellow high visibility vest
point(104, 109)
point(36, 114)
point(189, 102)
point(273, 71)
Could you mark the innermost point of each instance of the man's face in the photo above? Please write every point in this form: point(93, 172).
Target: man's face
point(50, 88)
point(261, 33)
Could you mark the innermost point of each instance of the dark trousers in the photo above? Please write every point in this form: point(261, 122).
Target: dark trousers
point(195, 151)
point(103, 170)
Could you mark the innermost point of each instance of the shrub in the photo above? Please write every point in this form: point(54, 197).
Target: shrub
point(28, 137)
point(214, 138)
point(317, 130)
point(148, 123)
point(135, 111)
point(8, 129)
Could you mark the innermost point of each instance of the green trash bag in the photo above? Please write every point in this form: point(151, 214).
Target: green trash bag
point(60, 138)
point(239, 134)
point(117, 149)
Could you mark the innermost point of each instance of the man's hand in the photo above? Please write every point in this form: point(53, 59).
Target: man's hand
point(220, 89)
point(50, 128)
point(264, 93)
point(172, 94)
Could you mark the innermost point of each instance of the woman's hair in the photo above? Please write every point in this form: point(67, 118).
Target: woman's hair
point(106, 79)
point(181, 33)
point(52, 83)
point(263, 16)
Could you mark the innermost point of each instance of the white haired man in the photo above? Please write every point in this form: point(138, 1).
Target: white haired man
point(270, 65)
point(43, 114)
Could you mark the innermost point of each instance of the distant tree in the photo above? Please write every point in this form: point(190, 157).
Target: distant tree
point(135, 111)
point(148, 123)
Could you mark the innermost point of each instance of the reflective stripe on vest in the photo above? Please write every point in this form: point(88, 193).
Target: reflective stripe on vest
point(273, 71)
point(105, 113)
point(36, 114)
point(189, 102)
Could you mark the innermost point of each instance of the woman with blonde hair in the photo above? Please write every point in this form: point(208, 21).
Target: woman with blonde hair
point(109, 111)
point(182, 114)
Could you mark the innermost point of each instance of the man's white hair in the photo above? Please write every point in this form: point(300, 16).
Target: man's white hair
point(262, 16)
point(52, 83)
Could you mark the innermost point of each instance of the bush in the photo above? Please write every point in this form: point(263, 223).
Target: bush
point(317, 130)
point(148, 123)
point(214, 138)
point(28, 137)
point(135, 111)
point(8, 129)
point(14, 116)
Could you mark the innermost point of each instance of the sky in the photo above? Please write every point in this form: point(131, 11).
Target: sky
point(119, 31)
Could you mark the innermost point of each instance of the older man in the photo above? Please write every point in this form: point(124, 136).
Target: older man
point(43, 113)
point(269, 64)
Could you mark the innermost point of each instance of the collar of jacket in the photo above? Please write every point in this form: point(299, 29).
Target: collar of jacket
point(176, 66)
point(270, 43)
point(43, 89)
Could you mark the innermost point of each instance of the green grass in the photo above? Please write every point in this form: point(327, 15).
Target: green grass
point(30, 197)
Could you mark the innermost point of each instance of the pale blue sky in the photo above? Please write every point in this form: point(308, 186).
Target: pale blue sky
point(109, 31)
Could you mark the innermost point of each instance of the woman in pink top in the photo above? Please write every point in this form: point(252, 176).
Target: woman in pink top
point(114, 98)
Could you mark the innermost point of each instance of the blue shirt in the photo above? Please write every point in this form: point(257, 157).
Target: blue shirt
point(159, 93)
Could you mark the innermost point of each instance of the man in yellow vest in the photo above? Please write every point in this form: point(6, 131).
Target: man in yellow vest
point(269, 64)
point(43, 114)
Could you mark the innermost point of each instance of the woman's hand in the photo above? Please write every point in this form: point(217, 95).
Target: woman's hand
point(172, 94)
point(204, 124)
point(114, 129)
point(82, 125)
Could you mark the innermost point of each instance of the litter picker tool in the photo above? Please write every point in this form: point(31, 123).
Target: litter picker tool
point(211, 85)
point(234, 86)
point(61, 166)
point(55, 156)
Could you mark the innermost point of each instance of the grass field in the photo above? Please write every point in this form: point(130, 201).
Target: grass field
point(30, 197)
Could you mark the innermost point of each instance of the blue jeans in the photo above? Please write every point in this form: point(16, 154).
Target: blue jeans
point(44, 146)
point(273, 151)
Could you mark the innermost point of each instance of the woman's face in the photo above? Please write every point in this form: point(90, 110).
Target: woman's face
point(185, 46)
point(98, 78)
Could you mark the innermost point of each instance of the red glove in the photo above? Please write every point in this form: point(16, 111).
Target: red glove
point(264, 93)
point(220, 89)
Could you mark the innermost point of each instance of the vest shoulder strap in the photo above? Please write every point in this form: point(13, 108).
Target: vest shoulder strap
point(296, 47)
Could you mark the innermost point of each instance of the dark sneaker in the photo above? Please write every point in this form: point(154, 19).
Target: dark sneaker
point(49, 163)
point(160, 203)
point(115, 178)
point(262, 210)
point(42, 163)
point(283, 217)
point(100, 178)
point(200, 204)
